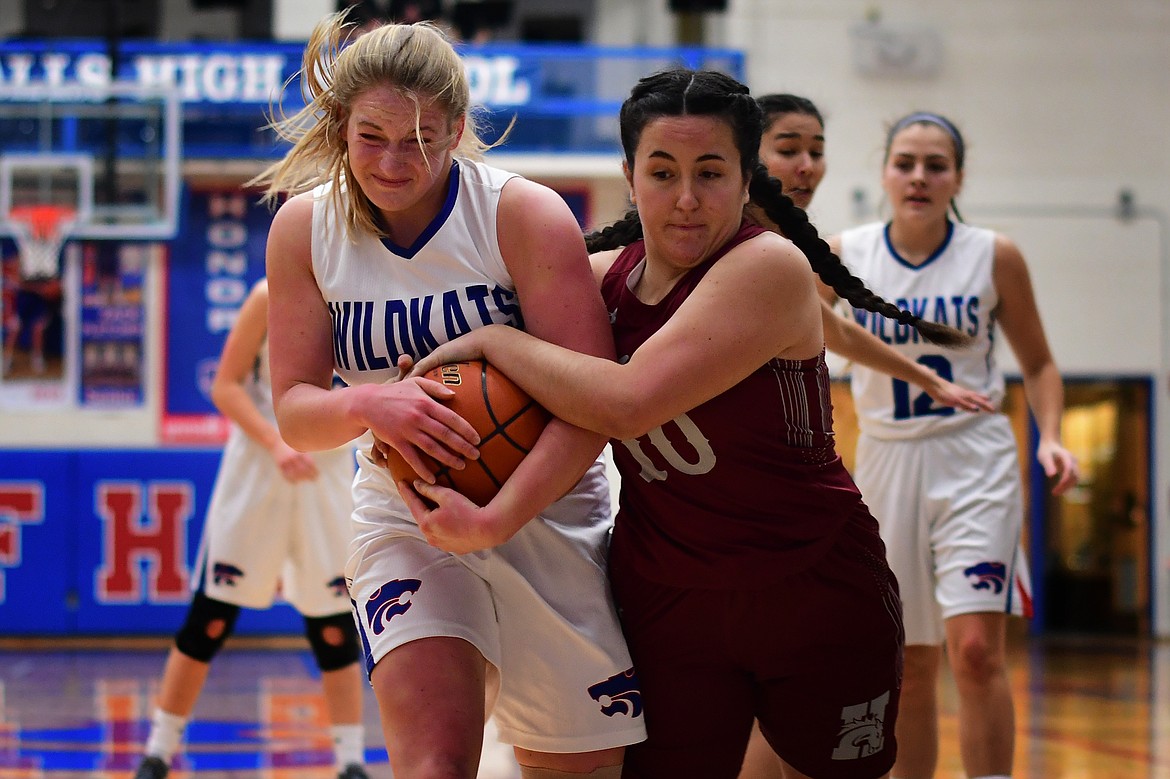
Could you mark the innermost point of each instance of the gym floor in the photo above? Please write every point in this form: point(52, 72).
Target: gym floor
point(1086, 708)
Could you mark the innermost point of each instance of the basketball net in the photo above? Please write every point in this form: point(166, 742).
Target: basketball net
point(41, 231)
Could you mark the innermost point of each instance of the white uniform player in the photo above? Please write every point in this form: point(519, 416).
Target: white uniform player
point(277, 522)
point(264, 534)
point(943, 484)
point(536, 607)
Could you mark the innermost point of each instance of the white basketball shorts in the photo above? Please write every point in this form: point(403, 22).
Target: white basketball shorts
point(265, 535)
point(538, 608)
point(950, 508)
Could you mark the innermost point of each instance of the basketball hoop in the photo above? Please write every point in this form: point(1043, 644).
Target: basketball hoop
point(40, 232)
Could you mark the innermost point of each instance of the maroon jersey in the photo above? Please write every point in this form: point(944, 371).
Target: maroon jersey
point(741, 490)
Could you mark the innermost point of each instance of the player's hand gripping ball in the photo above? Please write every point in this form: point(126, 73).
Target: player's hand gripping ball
point(508, 422)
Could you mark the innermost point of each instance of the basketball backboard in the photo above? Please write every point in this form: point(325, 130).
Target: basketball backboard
point(110, 154)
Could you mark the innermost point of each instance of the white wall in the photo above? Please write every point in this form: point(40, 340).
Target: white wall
point(1063, 104)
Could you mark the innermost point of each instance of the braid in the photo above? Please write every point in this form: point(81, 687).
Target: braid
point(621, 233)
point(767, 192)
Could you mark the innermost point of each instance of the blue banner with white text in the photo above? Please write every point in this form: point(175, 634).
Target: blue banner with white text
point(564, 98)
point(214, 261)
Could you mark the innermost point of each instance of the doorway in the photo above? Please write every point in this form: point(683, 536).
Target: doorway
point(1089, 549)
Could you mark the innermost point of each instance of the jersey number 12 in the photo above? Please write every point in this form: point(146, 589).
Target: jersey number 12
point(922, 405)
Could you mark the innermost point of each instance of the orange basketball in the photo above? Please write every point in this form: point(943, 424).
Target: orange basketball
point(508, 422)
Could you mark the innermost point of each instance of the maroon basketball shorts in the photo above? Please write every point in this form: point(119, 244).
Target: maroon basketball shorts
point(817, 657)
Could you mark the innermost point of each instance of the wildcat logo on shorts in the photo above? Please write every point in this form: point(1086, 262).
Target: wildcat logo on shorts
point(619, 694)
point(337, 584)
point(388, 601)
point(226, 573)
point(987, 575)
point(863, 729)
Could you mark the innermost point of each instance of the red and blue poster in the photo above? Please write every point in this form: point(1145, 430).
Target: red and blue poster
point(104, 541)
point(113, 321)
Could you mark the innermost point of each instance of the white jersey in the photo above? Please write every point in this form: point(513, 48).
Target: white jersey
point(389, 300)
point(954, 287)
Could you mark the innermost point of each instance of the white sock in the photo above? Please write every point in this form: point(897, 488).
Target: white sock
point(348, 745)
point(166, 734)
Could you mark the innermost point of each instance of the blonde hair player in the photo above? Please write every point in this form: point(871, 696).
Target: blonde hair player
point(277, 520)
point(397, 239)
point(945, 485)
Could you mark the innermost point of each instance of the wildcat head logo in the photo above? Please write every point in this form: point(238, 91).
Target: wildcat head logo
point(619, 694)
point(987, 576)
point(226, 574)
point(388, 601)
point(337, 584)
point(863, 729)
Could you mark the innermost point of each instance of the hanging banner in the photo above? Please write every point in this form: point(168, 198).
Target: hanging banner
point(562, 96)
point(214, 261)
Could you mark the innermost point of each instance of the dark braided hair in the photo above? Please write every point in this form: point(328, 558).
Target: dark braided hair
point(793, 222)
point(686, 92)
point(623, 232)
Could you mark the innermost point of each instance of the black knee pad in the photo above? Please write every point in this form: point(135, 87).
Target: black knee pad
point(331, 657)
point(192, 639)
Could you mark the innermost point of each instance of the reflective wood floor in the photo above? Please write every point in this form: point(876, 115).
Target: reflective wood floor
point(1086, 709)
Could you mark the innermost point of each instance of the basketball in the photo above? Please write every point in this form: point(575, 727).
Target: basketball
point(508, 422)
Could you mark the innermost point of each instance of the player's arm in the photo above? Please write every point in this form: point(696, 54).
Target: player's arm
point(300, 337)
point(545, 253)
point(1019, 317)
point(544, 250)
point(853, 342)
point(312, 415)
point(236, 362)
point(758, 302)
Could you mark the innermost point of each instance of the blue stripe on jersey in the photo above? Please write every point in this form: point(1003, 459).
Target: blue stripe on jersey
point(436, 223)
point(942, 247)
